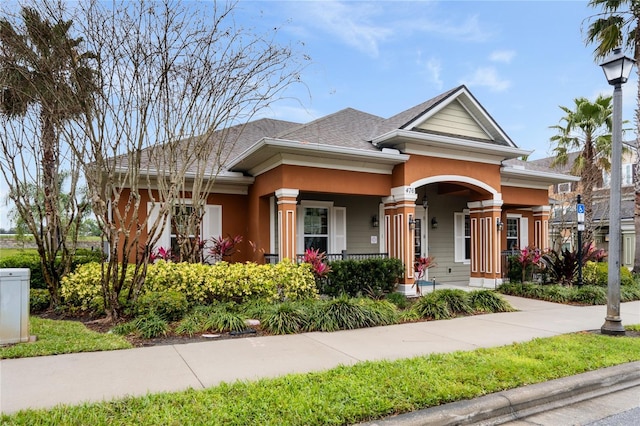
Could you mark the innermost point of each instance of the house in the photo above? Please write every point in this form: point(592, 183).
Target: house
point(563, 195)
point(438, 179)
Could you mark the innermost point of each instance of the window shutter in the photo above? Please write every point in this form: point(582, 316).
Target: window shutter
point(153, 212)
point(212, 222)
point(524, 232)
point(339, 229)
point(458, 230)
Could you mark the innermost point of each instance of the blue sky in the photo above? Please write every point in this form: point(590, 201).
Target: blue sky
point(520, 59)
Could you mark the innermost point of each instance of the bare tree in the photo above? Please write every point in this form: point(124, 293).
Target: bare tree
point(177, 82)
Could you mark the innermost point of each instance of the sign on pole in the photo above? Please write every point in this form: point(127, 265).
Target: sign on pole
point(580, 211)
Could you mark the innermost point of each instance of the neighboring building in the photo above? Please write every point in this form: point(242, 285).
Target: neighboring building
point(432, 180)
point(563, 195)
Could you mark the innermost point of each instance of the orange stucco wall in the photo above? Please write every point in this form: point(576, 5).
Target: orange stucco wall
point(525, 196)
point(418, 167)
point(321, 180)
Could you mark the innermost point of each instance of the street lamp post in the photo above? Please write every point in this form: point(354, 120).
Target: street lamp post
point(616, 68)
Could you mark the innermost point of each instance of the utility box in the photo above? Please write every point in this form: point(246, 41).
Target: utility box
point(14, 305)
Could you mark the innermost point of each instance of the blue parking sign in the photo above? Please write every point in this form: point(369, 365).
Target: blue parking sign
point(580, 208)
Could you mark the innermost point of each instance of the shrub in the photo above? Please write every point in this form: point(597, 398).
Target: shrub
point(284, 318)
point(238, 282)
point(597, 273)
point(556, 293)
point(170, 305)
point(39, 300)
point(30, 261)
point(630, 293)
point(488, 301)
point(79, 288)
point(563, 265)
point(148, 326)
point(374, 277)
point(589, 295)
point(432, 307)
point(345, 313)
point(398, 299)
point(456, 300)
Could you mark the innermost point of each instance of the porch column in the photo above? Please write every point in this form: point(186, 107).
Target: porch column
point(399, 213)
point(287, 201)
point(485, 243)
point(541, 227)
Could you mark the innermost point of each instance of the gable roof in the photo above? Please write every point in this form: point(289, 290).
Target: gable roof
point(469, 112)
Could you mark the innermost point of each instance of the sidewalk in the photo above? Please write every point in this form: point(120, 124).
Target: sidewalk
point(43, 382)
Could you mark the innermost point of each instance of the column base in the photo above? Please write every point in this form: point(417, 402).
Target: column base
point(613, 327)
point(485, 282)
point(409, 290)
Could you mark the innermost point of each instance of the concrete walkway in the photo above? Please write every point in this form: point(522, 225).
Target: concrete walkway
point(43, 382)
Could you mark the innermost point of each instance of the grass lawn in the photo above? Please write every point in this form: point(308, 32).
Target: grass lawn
point(62, 337)
point(362, 392)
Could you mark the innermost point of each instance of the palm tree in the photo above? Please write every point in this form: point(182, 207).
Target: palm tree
point(617, 25)
point(41, 70)
point(586, 129)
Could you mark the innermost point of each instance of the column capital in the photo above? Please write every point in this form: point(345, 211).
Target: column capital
point(404, 193)
point(287, 192)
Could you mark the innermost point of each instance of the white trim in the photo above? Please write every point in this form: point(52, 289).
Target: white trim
point(458, 178)
point(287, 192)
point(485, 282)
point(272, 224)
point(400, 136)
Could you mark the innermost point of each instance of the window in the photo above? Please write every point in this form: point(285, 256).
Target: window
point(211, 224)
point(316, 228)
point(321, 226)
point(462, 233)
point(182, 220)
point(512, 234)
point(563, 188)
point(627, 174)
point(606, 179)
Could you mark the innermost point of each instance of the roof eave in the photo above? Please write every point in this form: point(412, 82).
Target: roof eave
point(399, 136)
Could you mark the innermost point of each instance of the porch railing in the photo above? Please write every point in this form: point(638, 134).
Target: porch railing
point(504, 261)
point(344, 255)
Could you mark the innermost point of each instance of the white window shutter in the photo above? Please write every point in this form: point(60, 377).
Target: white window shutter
point(153, 211)
point(524, 232)
point(212, 222)
point(459, 240)
point(339, 230)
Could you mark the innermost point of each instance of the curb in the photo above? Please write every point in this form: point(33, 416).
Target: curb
point(513, 404)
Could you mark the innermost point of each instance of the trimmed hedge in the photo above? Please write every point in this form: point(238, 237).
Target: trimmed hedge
point(369, 277)
point(31, 261)
point(200, 283)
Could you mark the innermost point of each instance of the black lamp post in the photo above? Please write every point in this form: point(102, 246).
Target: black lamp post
point(617, 68)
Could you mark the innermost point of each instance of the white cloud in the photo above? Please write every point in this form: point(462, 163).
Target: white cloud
point(487, 77)
point(502, 56)
point(352, 23)
point(434, 68)
point(469, 30)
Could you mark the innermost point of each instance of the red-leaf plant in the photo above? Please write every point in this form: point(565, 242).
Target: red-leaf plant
point(318, 263)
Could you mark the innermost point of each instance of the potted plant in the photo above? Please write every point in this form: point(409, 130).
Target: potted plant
point(421, 265)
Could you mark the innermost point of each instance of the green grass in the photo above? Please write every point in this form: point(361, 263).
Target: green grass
point(362, 392)
point(62, 337)
point(6, 252)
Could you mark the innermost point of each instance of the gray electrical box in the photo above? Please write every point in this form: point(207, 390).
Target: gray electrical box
point(14, 305)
